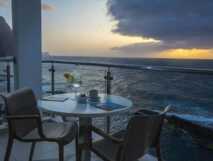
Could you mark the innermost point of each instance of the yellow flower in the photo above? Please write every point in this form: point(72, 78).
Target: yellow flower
point(69, 77)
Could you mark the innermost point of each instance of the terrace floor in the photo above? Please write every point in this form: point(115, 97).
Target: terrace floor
point(45, 151)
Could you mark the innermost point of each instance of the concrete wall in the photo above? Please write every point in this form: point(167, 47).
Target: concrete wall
point(27, 31)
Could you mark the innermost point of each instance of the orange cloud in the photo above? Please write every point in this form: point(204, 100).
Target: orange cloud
point(3, 3)
point(47, 7)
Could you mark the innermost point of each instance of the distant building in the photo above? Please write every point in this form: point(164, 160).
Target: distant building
point(46, 55)
point(7, 42)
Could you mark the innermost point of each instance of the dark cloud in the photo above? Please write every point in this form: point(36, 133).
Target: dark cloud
point(142, 48)
point(178, 23)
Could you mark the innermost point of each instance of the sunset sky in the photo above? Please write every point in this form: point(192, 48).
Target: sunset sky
point(124, 28)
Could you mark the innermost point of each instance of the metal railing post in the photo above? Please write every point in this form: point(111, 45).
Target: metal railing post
point(52, 71)
point(108, 78)
point(8, 74)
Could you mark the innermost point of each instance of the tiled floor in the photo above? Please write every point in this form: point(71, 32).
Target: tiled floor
point(44, 152)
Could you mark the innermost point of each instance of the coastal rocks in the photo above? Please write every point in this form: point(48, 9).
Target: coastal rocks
point(7, 43)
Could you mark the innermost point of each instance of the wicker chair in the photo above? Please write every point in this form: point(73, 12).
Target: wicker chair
point(143, 132)
point(25, 125)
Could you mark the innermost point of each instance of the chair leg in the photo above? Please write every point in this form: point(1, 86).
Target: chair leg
point(79, 154)
point(32, 151)
point(9, 149)
point(61, 152)
point(64, 119)
point(77, 151)
point(158, 152)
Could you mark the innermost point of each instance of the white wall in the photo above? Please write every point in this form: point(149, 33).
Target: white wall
point(27, 30)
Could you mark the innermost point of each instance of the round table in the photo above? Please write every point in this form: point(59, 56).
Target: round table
point(85, 112)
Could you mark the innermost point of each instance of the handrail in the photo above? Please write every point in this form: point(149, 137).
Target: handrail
point(7, 59)
point(125, 66)
point(108, 76)
point(136, 67)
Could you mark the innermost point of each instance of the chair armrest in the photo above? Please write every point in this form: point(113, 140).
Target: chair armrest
point(153, 112)
point(22, 117)
point(35, 117)
point(147, 111)
point(104, 135)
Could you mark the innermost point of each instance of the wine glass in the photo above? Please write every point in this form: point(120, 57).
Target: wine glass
point(73, 81)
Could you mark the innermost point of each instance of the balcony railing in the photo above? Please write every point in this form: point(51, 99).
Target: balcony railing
point(109, 77)
point(6, 73)
point(6, 70)
point(6, 82)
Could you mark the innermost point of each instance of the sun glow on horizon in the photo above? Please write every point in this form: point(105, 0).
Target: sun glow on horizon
point(187, 54)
